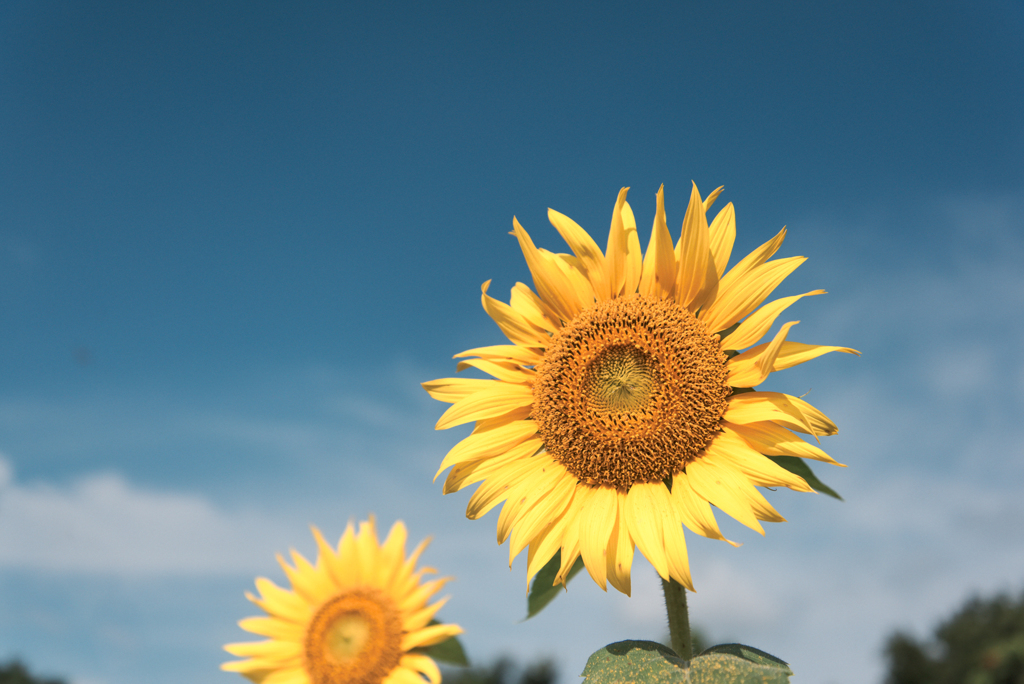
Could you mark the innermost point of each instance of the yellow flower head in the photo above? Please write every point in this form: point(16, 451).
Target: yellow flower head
point(358, 616)
point(624, 409)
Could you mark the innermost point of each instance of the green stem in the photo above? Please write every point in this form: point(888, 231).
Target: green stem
point(678, 618)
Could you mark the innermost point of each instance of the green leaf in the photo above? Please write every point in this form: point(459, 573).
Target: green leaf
point(798, 466)
point(646, 662)
point(626, 662)
point(750, 653)
point(543, 590)
point(448, 651)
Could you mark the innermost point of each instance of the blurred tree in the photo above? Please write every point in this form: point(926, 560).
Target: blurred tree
point(16, 673)
point(981, 644)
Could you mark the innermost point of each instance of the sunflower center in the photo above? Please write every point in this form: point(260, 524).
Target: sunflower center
point(621, 379)
point(630, 391)
point(356, 637)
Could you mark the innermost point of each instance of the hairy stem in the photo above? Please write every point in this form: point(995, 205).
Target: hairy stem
point(678, 618)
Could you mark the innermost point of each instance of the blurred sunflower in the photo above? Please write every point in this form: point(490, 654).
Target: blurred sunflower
point(359, 615)
point(624, 409)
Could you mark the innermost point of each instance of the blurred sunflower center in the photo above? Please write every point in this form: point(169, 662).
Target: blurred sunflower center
point(355, 637)
point(630, 391)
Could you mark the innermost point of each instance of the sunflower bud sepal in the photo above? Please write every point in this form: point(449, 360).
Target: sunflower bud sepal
point(648, 661)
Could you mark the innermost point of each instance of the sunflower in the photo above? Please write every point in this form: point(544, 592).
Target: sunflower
point(624, 407)
point(359, 616)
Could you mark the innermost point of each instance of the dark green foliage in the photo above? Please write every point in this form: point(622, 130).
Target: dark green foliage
point(504, 671)
point(908, 662)
point(16, 673)
point(981, 644)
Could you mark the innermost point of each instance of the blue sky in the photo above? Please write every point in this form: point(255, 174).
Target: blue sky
point(235, 237)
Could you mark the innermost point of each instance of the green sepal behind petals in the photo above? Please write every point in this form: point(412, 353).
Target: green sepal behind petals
point(543, 591)
point(798, 466)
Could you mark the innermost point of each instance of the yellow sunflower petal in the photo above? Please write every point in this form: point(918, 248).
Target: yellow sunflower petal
point(615, 255)
point(274, 628)
point(634, 254)
point(428, 636)
point(403, 675)
point(774, 440)
point(659, 268)
point(506, 372)
point(675, 544)
point(694, 511)
point(541, 505)
point(347, 572)
point(794, 353)
point(407, 577)
point(292, 675)
point(332, 563)
point(488, 403)
point(516, 326)
point(597, 522)
point(745, 294)
point(729, 449)
point(271, 648)
point(392, 552)
point(760, 322)
point(696, 277)
point(511, 416)
point(489, 443)
point(450, 390)
point(753, 367)
point(710, 200)
point(254, 669)
point(495, 490)
point(643, 519)
point(591, 260)
point(723, 488)
point(307, 581)
point(544, 472)
point(417, 599)
point(546, 542)
point(742, 488)
point(722, 232)
point(422, 664)
point(620, 550)
point(570, 268)
point(467, 473)
point(278, 601)
point(571, 536)
point(504, 352)
point(368, 552)
point(421, 618)
point(754, 259)
point(549, 281)
point(526, 302)
point(788, 411)
point(747, 366)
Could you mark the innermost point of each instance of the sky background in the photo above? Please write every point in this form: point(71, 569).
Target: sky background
point(236, 236)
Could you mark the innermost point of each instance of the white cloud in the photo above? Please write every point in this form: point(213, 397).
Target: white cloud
point(103, 524)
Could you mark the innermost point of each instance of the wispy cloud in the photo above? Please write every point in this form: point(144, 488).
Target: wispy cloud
point(103, 524)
